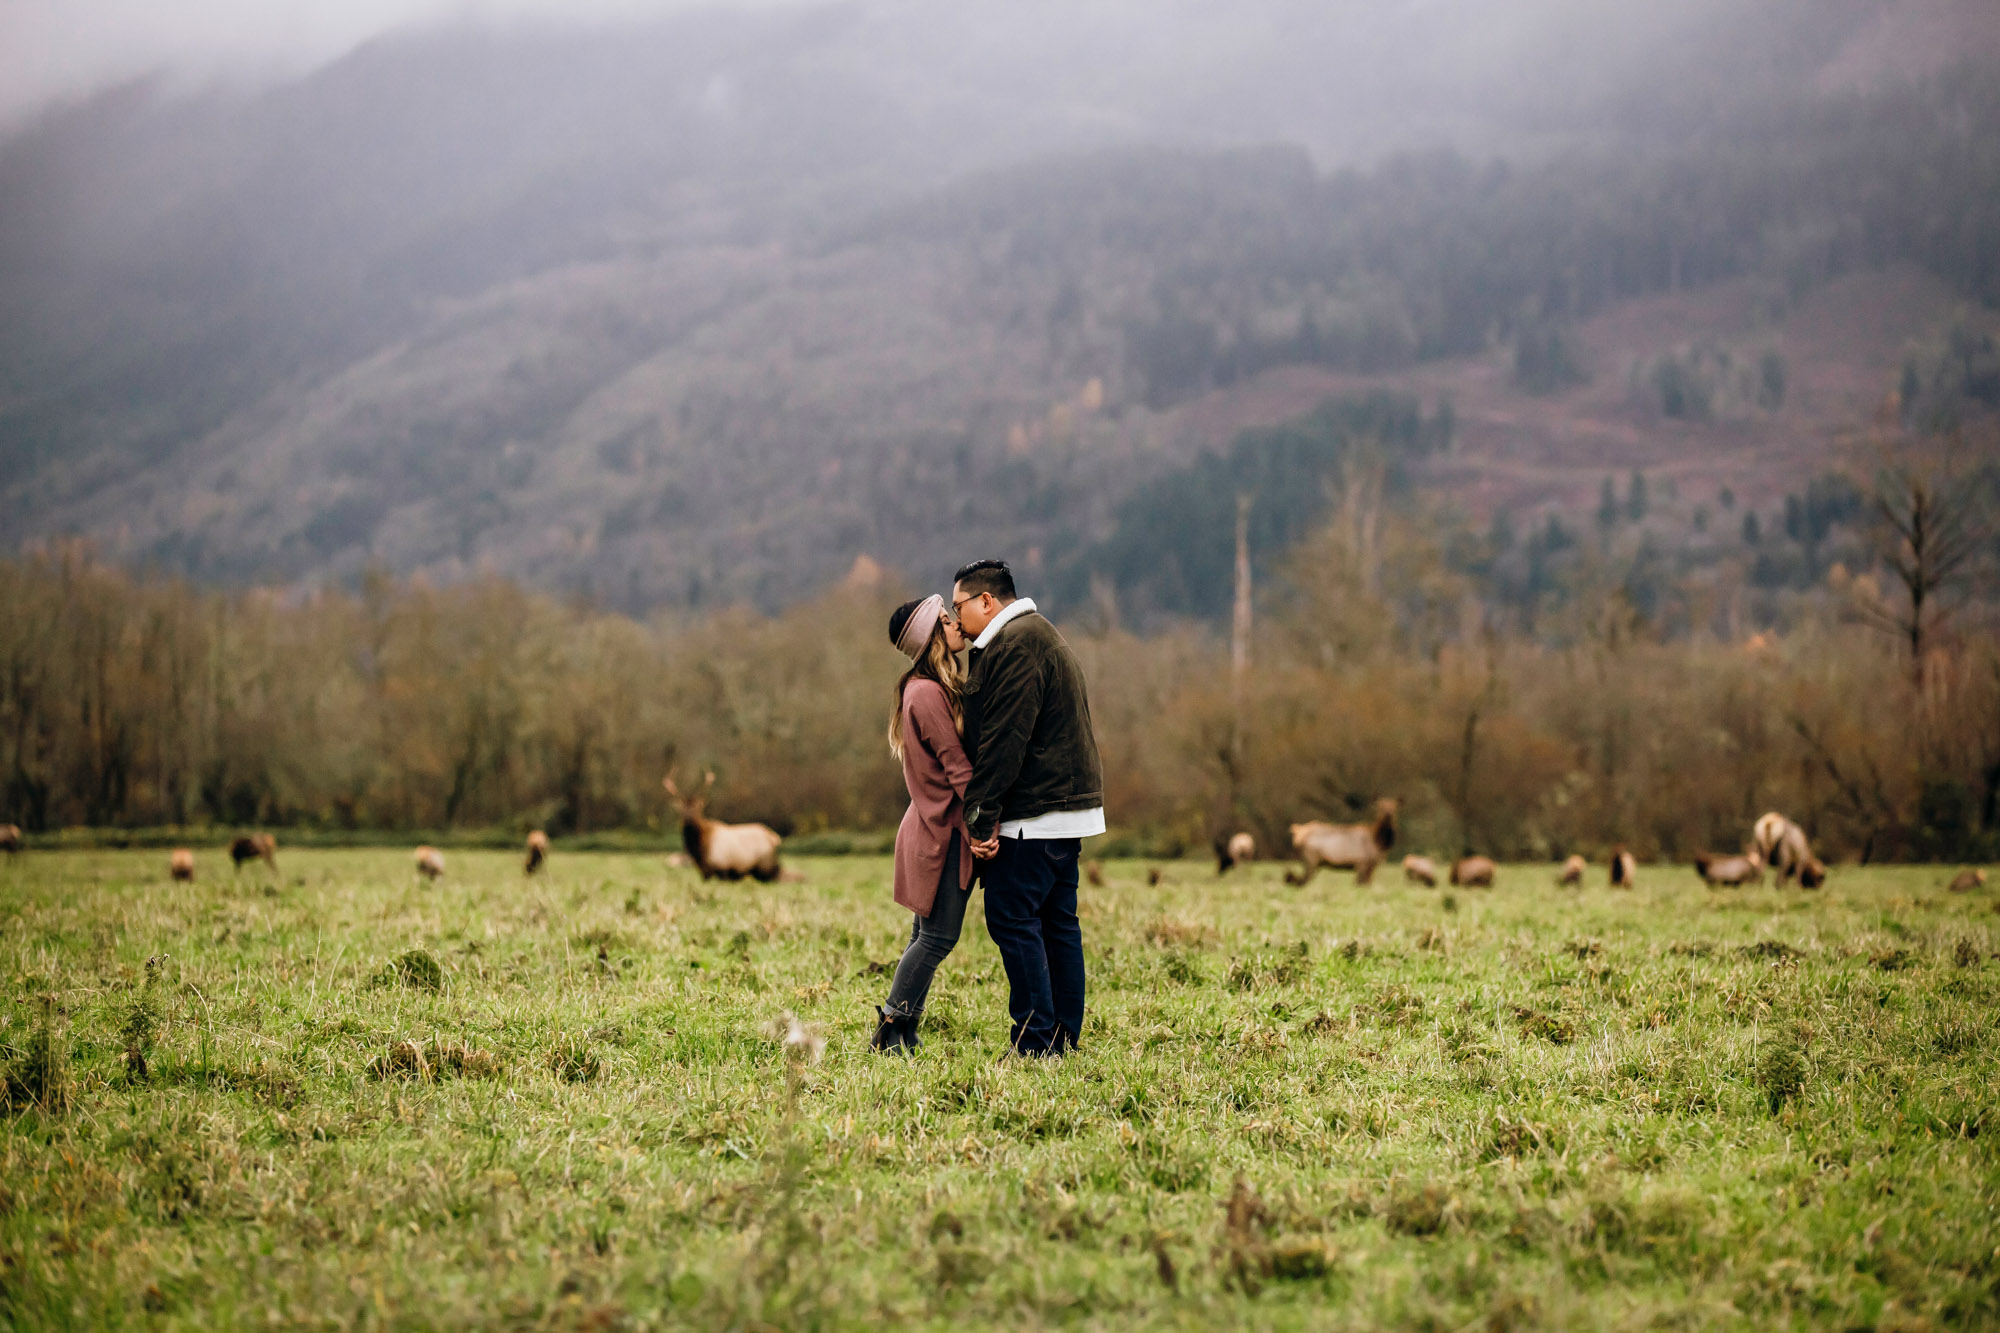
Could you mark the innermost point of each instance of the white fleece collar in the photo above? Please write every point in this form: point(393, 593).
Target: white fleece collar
point(1020, 606)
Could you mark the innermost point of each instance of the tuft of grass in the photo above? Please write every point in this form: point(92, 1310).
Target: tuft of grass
point(37, 1074)
point(417, 969)
point(572, 1060)
point(1782, 1074)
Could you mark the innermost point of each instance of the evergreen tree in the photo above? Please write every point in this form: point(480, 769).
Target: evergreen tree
point(1635, 498)
point(1607, 506)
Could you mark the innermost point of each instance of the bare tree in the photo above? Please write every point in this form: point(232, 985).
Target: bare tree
point(1929, 530)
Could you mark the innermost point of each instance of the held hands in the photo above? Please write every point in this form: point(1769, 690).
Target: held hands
point(986, 851)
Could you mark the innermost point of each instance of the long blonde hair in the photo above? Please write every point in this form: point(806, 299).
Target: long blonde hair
point(939, 663)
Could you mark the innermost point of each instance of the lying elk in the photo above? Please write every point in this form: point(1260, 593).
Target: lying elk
point(430, 862)
point(180, 865)
point(10, 837)
point(1356, 847)
point(257, 846)
point(1474, 872)
point(538, 852)
point(1967, 880)
point(1572, 873)
point(1420, 870)
point(1234, 851)
point(724, 851)
point(1730, 871)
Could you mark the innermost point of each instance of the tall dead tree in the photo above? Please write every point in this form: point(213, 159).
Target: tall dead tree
point(1928, 532)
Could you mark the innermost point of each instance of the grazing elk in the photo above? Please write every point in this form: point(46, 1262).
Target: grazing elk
point(724, 851)
point(254, 847)
point(1356, 847)
point(1420, 870)
point(1730, 871)
point(1572, 873)
point(430, 861)
point(1474, 872)
point(180, 865)
point(1233, 851)
point(1781, 845)
point(10, 838)
point(1967, 880)
point(1094, 872)
point(538, 852)
point(1624, 868)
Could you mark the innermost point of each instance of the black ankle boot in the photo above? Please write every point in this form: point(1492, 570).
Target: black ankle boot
point(895, 1033)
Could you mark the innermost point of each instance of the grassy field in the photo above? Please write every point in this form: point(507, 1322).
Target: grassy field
point(1324, 1107)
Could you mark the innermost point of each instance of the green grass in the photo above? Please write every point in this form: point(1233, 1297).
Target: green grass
point(488, 1102)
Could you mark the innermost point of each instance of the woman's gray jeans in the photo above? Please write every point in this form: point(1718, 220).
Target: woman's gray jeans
point(931, 941)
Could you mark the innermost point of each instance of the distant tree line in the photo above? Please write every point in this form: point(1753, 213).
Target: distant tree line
point(134, 701)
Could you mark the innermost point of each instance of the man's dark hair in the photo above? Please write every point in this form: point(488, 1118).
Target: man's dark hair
point(989, 576)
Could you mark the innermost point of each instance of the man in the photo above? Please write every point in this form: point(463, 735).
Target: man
point(1036, 792)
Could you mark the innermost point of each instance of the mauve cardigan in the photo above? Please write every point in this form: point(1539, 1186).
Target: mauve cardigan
point(936, 771)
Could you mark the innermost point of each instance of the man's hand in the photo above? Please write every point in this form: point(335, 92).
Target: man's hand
point(986, 851)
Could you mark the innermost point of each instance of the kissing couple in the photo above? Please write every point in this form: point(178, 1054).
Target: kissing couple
point(1001, 765)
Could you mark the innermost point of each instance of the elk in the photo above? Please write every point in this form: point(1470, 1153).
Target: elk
point(1473, 872)
point(1967, 880)
point(1572, 873)
point(1733, 871)
point(1356, 847)
point(430, 861)
point(1234, 851)
point(1420, 870)
point(255, 846)
point(724, 851)
point(1094, 872)
point(1624, 869)
point(10, 838)
point(1781, 845)
point(538, 852)
point(1812, 874)
point(180, 865)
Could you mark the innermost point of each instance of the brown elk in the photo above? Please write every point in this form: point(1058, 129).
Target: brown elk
point(1812, 873)
point(538, 852)
point(1234, 851)
point(1572, 873)
point(1474, 872)
point(1781, 845)
point(1624, 869)
point(180, 865)
point(1967, 880)
point(10, 837)
point(1356, 847)
point(1420, 870)
point(724, 851)
point(430, 861)
point(1730, 871)
point(254, 847)
point(1094, 872)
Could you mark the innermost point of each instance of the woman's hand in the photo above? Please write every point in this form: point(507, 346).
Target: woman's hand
point(986, 851)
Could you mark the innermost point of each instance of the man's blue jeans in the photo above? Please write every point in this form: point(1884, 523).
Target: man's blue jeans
point(1031, 915)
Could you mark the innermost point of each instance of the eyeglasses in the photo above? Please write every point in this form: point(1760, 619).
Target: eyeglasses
point(962, 601)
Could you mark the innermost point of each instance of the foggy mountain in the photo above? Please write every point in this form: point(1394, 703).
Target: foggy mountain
point(705, 307)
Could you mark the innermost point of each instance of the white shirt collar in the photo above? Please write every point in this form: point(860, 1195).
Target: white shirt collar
point(1020, 606)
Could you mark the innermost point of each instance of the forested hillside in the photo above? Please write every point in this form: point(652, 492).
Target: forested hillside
point(700, 315)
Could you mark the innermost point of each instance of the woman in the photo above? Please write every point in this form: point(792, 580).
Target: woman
point(933, 869)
